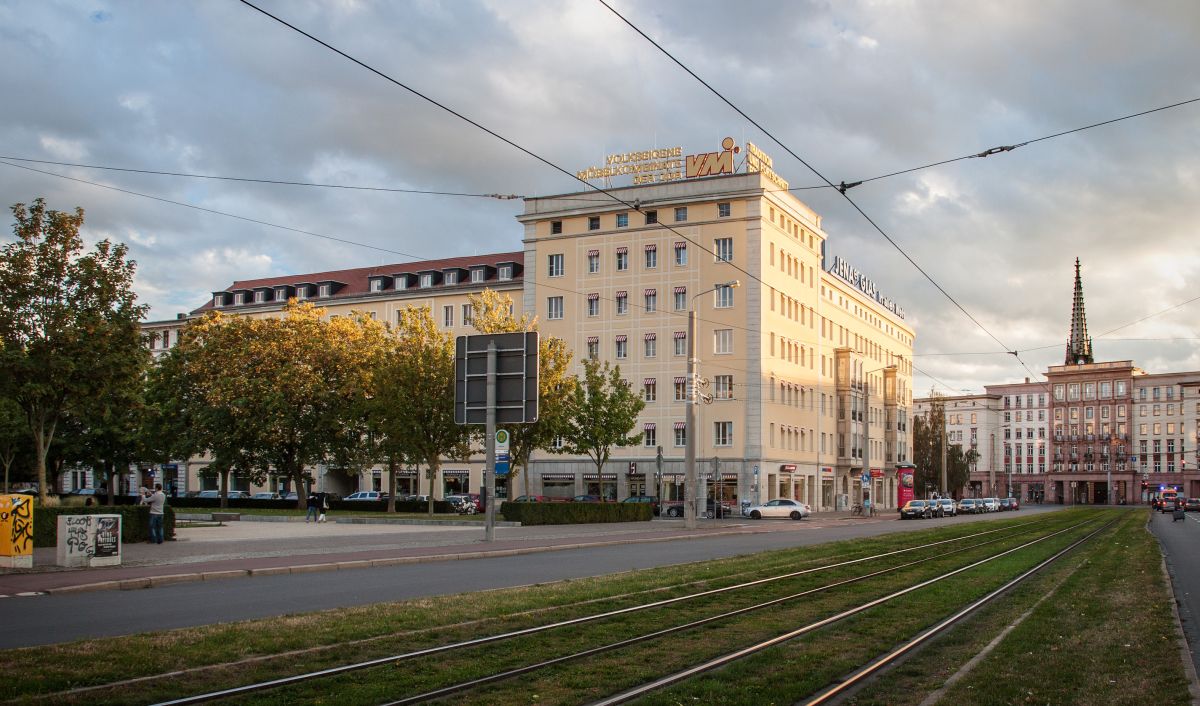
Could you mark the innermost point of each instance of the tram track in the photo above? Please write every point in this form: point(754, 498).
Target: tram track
point(1007, 532)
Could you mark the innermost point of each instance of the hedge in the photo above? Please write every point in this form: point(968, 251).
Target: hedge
point(135, 522)
point(439, 506)
point(575, 513)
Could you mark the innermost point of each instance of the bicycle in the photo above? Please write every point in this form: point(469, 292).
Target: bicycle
point(856, 510)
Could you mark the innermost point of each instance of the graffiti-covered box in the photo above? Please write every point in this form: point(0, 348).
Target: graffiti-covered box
point(16, 531)
point(89, 540)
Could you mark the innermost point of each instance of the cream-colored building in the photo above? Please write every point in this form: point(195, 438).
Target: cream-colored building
point(807, 367)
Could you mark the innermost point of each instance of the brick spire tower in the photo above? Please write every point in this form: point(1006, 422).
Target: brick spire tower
point(1079, 346)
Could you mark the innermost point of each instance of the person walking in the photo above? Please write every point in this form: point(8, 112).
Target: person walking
point(313, 505)
point(157, 501)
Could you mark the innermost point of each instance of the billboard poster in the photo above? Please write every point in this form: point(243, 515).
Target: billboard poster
point(904, 485)
point(108, 536)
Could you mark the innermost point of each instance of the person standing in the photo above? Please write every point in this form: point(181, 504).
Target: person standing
point(313, 504)
point(157, 501)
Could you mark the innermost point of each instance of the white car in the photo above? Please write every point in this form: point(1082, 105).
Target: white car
point(779, 507)
point(266, 496)
point(367, 495)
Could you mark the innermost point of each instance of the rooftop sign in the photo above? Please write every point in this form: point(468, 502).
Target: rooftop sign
point(846, 271)
point(664, 164)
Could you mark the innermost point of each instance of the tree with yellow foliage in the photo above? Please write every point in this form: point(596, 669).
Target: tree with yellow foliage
point(492, 312)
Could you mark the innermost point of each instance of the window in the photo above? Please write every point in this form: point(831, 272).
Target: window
point(622, 220)
point(680, 298)
point(506, 272)
point(622, 259)
point(622, 302)
point(593, 222)
point(681, 343)
point(680, 254)
point(680, 436)
point(593, 259)
point(555, 227)
point(650, 345)
point(649, 389)
point(1073, 392)
point(426, 280)
point(260, 296)
point(593, 348)
point(723, 210)
point(681, 389)
point(651, 217)
point(554, 267)
point(593, 305)
point(649, 436)
point(722, 433)
point(1120, 388)
point(722, 340)
point(651, 300)
point(1060, 393)
point(468, 315)
point(1105, 390)
point(723, 387)
point(622, 347)
point(478, 274)
point(724, 249)
point(724, 297)
point(323, 291)
point(448, 316)
point(651, 257)
point(554, 308)
point(451, 277)
point(681, 214)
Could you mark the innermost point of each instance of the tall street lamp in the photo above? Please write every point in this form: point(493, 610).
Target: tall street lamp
point(689, 459)
point(866, 472)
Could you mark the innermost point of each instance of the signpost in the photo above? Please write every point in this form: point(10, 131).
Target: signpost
point(502, 457)
point(495, 381)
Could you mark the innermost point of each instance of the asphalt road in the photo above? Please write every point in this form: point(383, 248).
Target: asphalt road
point(47, 619)
point(1179, 540)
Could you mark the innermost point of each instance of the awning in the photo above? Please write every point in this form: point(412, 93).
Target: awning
point(649, 426)
point(593, 339)
point(650, 247)
point(681, 290)
point(622, 250)
point(456, 474)
point(593, 252)
point(593, 296)
point(680, 244)
point(621, 293)
point(651, 292)
point(621, 338)
point(681, 425)
point(558, 476)
point(649, 381)
point(680, 379)
point(606, 476)
point(651, 336)
point(681, 334)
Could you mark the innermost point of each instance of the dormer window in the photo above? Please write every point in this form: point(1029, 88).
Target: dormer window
point(506, 272)
point(452, 277)
point(260, 296)
point(302, 291)
point(325, 290)
point(376, 285)
point(218, 299)
point(239, 298)
point(281, 293)
point(426, 280)
point(478, 274)
point(401, 281)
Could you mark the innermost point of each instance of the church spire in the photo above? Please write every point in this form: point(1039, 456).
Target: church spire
point(1079, 346)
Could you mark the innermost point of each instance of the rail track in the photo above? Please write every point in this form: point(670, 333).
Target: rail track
point(987, 538)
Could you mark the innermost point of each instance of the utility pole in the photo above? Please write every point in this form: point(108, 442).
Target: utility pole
point(945, 481)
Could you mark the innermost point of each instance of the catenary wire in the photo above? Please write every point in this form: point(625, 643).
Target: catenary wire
point(634, 206)
point(213, 211)
point(842, 189)
point(502, 197)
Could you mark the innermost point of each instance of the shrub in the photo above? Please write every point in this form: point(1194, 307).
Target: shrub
point(135, 522)
point(575, 513)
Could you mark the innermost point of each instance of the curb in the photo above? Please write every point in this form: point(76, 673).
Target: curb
point(170, 579)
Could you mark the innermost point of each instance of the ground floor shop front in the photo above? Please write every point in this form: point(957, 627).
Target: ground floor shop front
point(1085, 488)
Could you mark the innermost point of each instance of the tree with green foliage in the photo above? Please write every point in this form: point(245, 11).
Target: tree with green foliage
point(269, 394)
point(492, 313)
point(14, 436)
point(69, 321)
point(602, 412)
point(414, 394)
point(927, 452)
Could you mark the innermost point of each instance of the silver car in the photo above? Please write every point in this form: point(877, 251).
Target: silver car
point(949, 509)
point(992, 504)
point(779, 507)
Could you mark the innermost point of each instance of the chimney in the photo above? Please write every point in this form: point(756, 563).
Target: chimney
point(1026, 381)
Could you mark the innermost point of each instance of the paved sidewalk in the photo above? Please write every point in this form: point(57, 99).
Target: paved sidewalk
point(256, 548)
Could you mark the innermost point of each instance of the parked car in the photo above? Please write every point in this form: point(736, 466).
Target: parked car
point(88, 492)
point(918, 509)
point(291, 496)
point(463, 504)
point(266, 496)
point(586, 499)
point(216, 494)
point(992, 504)
point(367, 495)
point(531, 499)
point(652, 499)
point(1007, 504)
point(1192, 505)
point(675, 509)
point(949, 508)
point(779, 507)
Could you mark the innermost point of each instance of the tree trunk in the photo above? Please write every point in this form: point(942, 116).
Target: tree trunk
point(432, 473)
point(301, 492)
point(7, 461)
point(225, 489)
point(41, 447)
point(107, 471)
point(391, 486)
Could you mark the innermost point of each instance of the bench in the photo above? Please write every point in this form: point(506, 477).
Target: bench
point(226, 516)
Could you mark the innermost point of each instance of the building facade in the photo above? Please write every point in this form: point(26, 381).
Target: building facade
point(804, 373)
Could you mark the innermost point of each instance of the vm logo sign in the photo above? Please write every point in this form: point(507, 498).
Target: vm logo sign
point(712, 163)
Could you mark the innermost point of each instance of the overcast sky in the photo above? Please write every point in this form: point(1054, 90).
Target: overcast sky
point(857, 89)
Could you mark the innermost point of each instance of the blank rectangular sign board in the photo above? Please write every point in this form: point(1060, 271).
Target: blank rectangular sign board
point(516, 378)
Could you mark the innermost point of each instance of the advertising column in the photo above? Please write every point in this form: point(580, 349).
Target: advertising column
point(16, 531)
point(904, 485)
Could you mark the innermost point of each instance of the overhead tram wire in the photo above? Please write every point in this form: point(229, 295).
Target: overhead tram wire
point(842, 189)
point(214, 211)
point(156, 172)
point(634, 206)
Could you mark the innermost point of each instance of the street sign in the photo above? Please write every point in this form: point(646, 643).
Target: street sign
point(502, 441)
point(756, 471)
point(516, 378)
point(502, 468)
point(866, 477)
